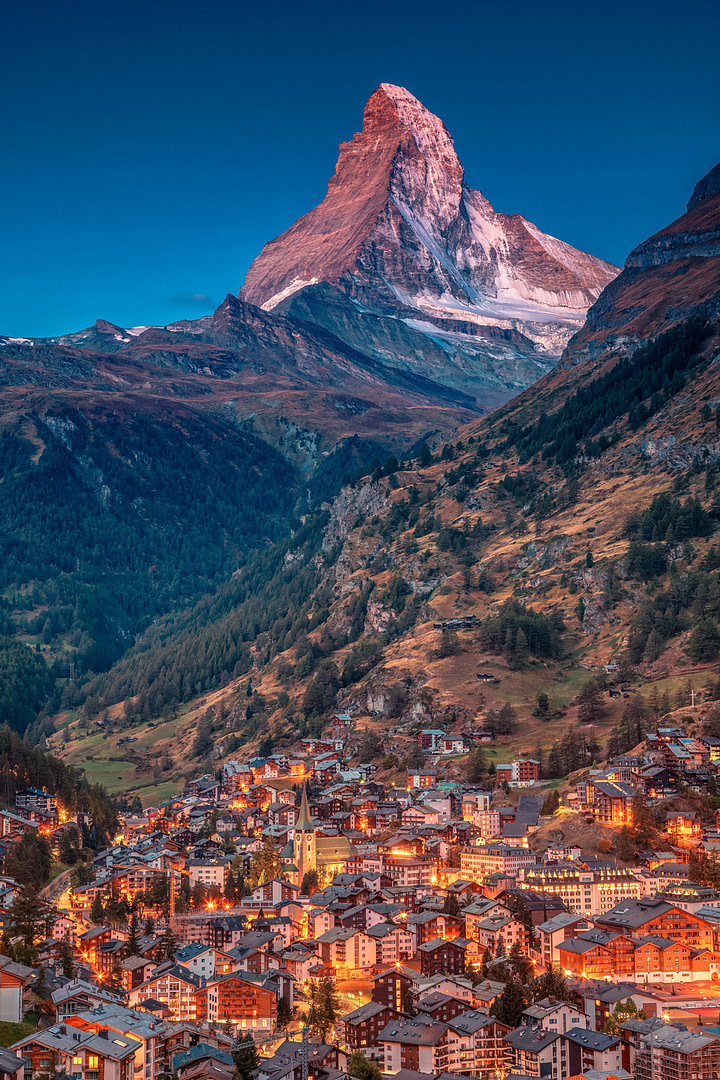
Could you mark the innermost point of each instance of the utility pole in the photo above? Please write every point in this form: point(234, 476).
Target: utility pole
point(304, 1051)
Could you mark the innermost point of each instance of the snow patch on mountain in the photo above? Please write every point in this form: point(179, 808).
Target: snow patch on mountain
point(295, 285)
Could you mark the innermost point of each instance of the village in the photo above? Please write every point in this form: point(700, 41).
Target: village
point(293, 917)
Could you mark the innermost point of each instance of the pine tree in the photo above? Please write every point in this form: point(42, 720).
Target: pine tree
point(451, 905)
point(246, 1057)
point(509, 645)
point(521, 964)
point(310, 883)
point(552, 983)
point(476, 765)
point(362, 1068)
point(624, 844)
point(167, 946)
point(133, 948)
point(624, 1010)
point(408, 1006)
point(116, 982)
point(543, 706)
point(26, 920)
point(284, 1012)
point(654, 646)
point(325, 1006)
point(508, 1007)
point(591, 709)
point(522, 652)
point(97, 911)
point(704, 641)
point(68, 963)
point(554, 762)
point(264, 864)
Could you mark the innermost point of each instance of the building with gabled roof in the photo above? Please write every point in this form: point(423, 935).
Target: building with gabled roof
point(64, 1048)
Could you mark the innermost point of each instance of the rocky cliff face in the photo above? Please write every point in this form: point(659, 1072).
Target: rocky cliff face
point(669, 277)
point(401, 234)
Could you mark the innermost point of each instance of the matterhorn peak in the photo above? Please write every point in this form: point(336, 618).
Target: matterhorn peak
point(400, 233)
point(427, 176)
point(395, 103)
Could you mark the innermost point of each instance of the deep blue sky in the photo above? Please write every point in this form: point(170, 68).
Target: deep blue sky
point(149, 149)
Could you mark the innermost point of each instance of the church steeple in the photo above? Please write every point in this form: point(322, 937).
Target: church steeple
point(304, 822)
point(305, 845)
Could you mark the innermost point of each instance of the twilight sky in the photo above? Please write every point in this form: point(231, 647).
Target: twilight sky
point(150, 148)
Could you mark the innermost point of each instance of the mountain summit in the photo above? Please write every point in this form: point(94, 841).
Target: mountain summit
point(400, 233)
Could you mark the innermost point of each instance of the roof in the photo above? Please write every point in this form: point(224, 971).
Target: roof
point(189, 952)
point(530, 1039)
point(635, 913)
point(659, 941)
point(176, 971)
point(304, 822)
point(469, 1022)
point(198, 1053)
point(559, 922)
point(9, 1062)
point(365, 1012)
point(70, 1039)
point(416, 1032)
point(578, 945)
point(592, 1040)
point(330, 848)
point(83, 987)
point(547, 1007)
point(20, 971)
point(438, 942)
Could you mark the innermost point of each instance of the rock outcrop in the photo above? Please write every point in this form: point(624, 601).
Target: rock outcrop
point(669, 277)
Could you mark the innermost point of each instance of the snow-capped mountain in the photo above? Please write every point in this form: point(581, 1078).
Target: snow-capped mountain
point(401, 234)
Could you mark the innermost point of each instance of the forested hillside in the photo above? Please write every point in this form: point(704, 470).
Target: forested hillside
point(567, 563)
point(109, 523)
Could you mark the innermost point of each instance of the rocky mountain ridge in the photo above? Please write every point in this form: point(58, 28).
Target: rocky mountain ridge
point(669, 277)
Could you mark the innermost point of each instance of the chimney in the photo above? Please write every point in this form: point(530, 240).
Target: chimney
point(104, 1033)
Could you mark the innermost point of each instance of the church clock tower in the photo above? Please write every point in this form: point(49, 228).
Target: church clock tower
point(305, 840)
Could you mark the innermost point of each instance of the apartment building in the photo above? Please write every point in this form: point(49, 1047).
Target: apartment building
point(419, 1044)
point(587, 892)
point(477, 1046)
point(654, 916)
point(659, 1051)
point(536, 1051)
point(172, 985)
point(95, 1055)
point(478, 862)
point(553, 932)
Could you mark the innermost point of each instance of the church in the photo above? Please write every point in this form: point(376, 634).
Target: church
point(328, 855)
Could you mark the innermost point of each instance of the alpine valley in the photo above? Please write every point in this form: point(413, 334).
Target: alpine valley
point(432, 468)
